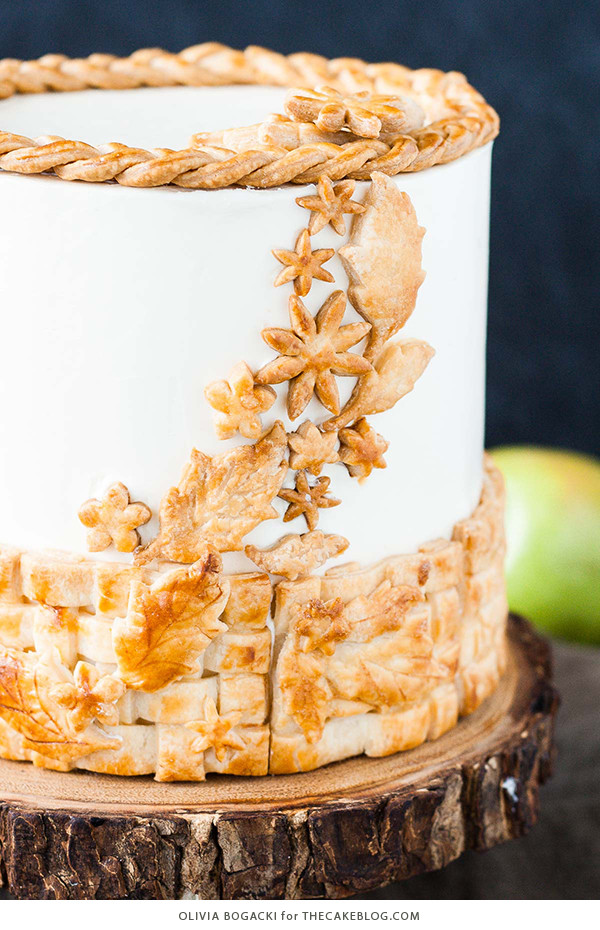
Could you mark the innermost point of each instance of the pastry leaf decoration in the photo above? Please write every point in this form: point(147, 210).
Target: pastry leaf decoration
point(305, 692)
point(396, 371)
point(383, 261)
point(219, 499)
point(294, 556)
point(170, 623)
point(28, 704)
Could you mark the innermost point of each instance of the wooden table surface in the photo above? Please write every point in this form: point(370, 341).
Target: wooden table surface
point(560, 858)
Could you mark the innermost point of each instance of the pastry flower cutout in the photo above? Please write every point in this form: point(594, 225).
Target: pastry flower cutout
point(312, 352)
point(215, 732)
point(114, 519)
point(239, 403)
point(306, 499)
point(303, 265)
point(90, 696)
point(362, 449)
point(311, 449)
point(365, 114)
point(329, 205)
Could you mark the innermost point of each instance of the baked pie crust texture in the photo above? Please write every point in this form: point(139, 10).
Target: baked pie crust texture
point(171, 666)
point(344, 118)
point(372, 660)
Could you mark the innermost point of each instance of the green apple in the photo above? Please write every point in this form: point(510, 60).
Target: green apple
point(553, 537)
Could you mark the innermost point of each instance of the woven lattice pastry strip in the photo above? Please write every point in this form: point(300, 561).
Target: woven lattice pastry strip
point(371, 660)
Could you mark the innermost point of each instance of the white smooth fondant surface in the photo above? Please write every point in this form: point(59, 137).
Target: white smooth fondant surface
point(119, 305)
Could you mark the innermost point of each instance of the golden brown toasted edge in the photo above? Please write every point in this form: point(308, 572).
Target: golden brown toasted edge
point(278, 151)
point(374, 660)
point(378, 660)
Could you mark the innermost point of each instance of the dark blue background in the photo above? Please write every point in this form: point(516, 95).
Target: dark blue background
point(538, 63)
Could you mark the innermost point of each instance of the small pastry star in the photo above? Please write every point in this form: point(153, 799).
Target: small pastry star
point(304, 499)
point(362, 449)
point(303, 265)
point(114, 519)
point(312, 352)
point(215, 732)
point(239, 403)
point(330, 205)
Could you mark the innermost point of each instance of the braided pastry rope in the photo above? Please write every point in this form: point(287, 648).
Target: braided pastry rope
point(276, 152)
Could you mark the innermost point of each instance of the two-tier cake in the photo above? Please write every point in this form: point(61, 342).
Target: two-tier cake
point(247, 523)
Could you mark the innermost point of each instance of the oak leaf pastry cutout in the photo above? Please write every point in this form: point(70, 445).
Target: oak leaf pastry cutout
point(295, 556)
point(114, 519)
point(383, 261)
point(89, 696)
point(362, 449)
point(302, 265)
point(28, 705)
point(310, 448)
point(219, 499)
point(365, 114)
point(215, 732)
point(320, 625)
point(312, 352)
point(329, 205)
point(239, 403)
point(170, 623)
point(306, 500)
point(396, 371)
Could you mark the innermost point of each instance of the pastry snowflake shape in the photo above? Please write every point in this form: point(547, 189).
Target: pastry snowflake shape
point(302, 265)
point(239, 403)
point(306, 500)
point(329, 205)
point(114, 519)
point(362, 449)
point(365, 114)
point(310, 448)
point(312, 352)
point(89, 696)
point(215, 732)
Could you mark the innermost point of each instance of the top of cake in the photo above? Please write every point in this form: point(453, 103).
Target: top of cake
point(340, 117)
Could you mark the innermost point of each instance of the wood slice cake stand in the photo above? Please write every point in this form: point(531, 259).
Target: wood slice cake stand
point(341, 830)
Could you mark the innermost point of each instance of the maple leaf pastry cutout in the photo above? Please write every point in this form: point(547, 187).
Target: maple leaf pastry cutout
point(219, 499)
point(329, 205)
point(215, 732)
point(114, 519)
point(321, 625)
point(310, 448)
point(362, 449)
point(365, 114)
point(239, 402)
point(383, 261)
point(306, 500)
point(302, 265)
point(89, 696)
point(312, 352)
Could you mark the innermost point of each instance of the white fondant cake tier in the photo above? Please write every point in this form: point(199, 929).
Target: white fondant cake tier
point(120, 305)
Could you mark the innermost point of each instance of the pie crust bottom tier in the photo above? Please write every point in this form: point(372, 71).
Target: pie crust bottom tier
point(184, 671)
